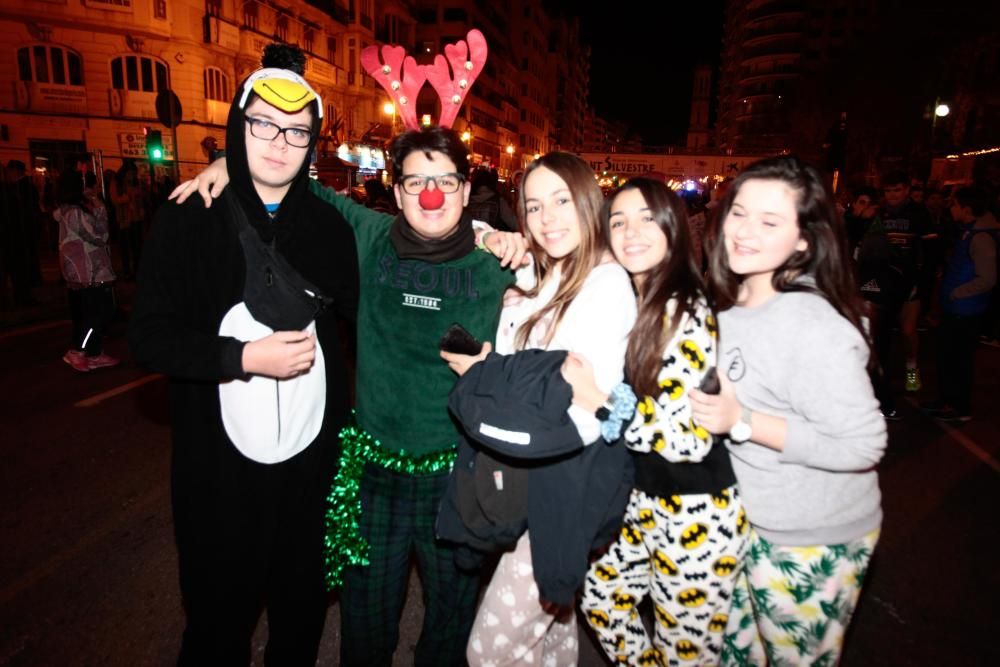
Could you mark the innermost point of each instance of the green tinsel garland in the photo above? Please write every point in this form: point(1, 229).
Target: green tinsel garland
point(343, 544)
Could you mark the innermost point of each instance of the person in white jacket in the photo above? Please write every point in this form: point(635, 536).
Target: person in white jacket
point(575, 298)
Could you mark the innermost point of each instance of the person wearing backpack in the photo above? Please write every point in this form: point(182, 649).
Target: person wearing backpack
point(486, 204)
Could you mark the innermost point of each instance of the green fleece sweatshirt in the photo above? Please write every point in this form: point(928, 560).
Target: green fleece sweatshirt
point(405, 307)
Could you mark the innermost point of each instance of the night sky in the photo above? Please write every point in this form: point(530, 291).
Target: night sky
point(643, 56)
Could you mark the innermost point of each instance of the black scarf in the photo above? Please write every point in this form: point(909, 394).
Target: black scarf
point(410, 245)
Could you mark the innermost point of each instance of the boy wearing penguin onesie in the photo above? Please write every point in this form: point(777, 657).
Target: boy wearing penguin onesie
point(238, 305)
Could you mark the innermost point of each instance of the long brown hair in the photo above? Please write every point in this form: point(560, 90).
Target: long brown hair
point(588, 200)
point(675, 277)
point(825, 256)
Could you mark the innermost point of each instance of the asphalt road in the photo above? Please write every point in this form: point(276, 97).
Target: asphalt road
point(88, 567)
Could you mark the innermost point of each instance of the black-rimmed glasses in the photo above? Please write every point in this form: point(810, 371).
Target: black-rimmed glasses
point(414, 184)
point(268, 131)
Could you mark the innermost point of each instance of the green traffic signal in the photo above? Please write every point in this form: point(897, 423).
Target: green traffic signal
point(154, 145)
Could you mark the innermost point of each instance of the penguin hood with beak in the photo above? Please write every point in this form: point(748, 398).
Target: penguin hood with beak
point(286, 91)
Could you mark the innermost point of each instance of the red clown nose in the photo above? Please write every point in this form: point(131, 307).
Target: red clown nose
point(431, 200)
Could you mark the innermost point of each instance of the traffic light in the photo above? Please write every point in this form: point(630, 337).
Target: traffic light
point(154, 145)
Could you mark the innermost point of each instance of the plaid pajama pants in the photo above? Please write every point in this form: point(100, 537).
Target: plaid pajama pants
point(398, 513)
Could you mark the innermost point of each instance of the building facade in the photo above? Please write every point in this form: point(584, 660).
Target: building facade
point(777, 57)
point(699, 133)
point(86, 74)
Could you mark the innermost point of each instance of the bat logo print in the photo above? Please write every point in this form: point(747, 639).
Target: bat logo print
point(623, 601)
point(671, 504)
point(721, 499)
point(741, 522)
point(692, 597)
point(631, 535)
point(598, 618)
point(651, 657)
point(664, 618)
point(648, 410)
point(664, 564)
point(672, 387)
point(694, 536)
point(725, 566)
point(693, 354)
point(687, 650)
point(718, 623)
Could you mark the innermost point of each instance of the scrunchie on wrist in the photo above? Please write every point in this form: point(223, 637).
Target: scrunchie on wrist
point(621, 407)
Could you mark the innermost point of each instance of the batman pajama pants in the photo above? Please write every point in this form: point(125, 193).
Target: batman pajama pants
point(511, 628)
point(685, 553)
point(793, 604)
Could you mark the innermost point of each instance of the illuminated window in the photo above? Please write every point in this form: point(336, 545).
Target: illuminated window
point(140, 73)
point(217, 85)
point(49, 64)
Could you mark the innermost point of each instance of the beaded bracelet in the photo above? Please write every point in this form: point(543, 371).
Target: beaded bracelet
point(620, 407)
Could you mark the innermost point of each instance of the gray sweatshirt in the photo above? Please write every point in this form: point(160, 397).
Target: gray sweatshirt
point(795, 357)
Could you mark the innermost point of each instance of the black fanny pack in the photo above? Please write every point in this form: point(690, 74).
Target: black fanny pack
point(275, 293)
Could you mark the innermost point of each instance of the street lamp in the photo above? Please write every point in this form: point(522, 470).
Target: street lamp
point(389, 109)
point(510, 159)
point(939, 110)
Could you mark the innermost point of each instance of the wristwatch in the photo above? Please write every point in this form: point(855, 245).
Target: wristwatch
point(741, 430)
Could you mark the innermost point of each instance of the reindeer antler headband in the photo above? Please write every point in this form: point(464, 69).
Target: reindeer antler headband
point(450, 75)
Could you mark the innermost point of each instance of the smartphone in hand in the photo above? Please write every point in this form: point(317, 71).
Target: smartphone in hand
point(456, 339)
point(710, 383)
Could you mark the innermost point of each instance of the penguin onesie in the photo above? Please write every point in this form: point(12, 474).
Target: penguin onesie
point(253, 455)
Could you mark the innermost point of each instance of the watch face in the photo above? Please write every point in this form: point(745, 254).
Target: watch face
point(740, 432)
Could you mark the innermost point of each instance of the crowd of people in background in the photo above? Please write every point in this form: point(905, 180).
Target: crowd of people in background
point(91, 226)
point(925, 259)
